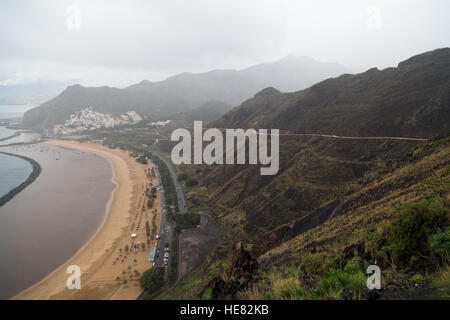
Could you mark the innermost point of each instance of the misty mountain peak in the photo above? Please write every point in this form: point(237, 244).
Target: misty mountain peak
point(188, 91)
point(292, 58)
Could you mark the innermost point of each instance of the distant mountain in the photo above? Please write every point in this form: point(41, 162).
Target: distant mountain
point(207, 112)
point(72, 99)
point(410, 100)
point(184, 92)
point(334, 201)
point(292, 73)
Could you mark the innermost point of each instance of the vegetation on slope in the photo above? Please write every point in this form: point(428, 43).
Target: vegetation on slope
point(398, 221)
point(152, 279)
point(410, 100)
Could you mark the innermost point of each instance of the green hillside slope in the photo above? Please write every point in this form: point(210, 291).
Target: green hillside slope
point(356, 183)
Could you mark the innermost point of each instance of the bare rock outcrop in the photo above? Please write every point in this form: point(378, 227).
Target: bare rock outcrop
point(236, 276)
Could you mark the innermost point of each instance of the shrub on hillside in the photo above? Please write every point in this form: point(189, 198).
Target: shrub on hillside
point(319, 264)
point(191, 182)
point(414, 222)
point(187, 220)
point(440, 242)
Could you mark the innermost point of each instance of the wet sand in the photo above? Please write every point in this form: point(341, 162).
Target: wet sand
point(107, 272)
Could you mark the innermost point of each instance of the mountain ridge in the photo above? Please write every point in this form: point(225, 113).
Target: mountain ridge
point(182, 92)
point(410, 101)
point(411, 93)
point(332, 207)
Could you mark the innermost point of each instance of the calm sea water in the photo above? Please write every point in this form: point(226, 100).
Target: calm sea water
point(47, 223)
point(13, 171)
point(13, 111)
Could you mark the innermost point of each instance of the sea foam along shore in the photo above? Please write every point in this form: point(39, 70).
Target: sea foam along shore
point(35, 172)
point(91, 256)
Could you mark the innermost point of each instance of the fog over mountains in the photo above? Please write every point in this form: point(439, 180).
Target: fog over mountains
point(185, 91)
point(410, 100)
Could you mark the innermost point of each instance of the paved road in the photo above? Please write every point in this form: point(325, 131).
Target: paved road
point(180, 194)
point(167, 227)
point(166, 230)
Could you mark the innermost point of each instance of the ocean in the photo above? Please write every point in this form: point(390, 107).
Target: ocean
point(13, 171)
point(48, 222)
point(13, 111)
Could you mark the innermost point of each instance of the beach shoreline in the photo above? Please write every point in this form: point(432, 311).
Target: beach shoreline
point(93, 256)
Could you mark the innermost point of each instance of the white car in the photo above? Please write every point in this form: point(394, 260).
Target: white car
point(157, 237)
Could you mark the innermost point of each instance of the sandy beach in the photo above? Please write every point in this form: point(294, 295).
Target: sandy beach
point(108, 269)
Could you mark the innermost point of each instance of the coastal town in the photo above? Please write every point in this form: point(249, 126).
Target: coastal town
point(88, 119)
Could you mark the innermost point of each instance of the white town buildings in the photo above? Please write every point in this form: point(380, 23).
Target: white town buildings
point(88, 119)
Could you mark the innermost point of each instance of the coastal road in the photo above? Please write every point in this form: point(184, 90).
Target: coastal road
point(166, 228)
point(180, 194)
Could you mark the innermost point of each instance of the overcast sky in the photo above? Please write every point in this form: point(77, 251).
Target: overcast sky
point(118, 43)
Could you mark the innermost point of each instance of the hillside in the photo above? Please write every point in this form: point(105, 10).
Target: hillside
point(185, 91)
point(364, 229)
point(315, 170)
point(400, 221)
point(356, 182)
point(72, 99)
point(410, 100)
